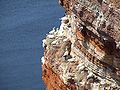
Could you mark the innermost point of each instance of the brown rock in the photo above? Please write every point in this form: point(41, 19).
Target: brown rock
point(92, 50)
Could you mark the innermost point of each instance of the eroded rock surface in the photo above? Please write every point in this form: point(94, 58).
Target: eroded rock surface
point(84, 53)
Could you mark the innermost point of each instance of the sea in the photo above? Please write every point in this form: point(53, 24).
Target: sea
point(23, 25)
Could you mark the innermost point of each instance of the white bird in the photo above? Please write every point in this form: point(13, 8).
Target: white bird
point(52, 31)
point(64, 18)
point(42, 60)
point(43, 42)
point(80, 67)
point(50, 36)
point(90, 75)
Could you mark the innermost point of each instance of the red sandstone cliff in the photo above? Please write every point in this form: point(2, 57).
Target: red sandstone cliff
point(84, 53)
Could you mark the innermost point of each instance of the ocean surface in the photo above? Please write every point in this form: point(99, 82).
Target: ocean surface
point(23, 25)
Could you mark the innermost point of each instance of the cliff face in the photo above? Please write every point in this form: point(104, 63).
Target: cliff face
point(84, 53)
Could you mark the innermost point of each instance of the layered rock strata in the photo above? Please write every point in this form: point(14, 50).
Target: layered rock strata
point(84, 53)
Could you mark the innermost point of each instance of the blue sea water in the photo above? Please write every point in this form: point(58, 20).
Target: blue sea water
point(23, 25)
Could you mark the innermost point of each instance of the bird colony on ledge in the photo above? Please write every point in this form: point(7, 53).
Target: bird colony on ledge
point(84, 52)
